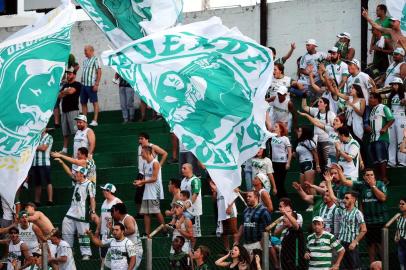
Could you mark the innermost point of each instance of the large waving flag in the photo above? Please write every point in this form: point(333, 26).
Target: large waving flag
point(32, 63)
point(126, 20)
point(397, 9)
point(209, 83)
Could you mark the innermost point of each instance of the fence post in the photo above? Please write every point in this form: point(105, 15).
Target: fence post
point(149, 253)
point(265, 250)
point(385, 248)
point(45, 255)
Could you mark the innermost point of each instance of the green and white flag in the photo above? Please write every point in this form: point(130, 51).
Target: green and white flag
point(126, 20)
point(397, 9)
point(209, 83)
point(32, 63)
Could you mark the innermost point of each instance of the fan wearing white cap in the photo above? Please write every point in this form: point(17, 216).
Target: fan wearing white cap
point(320, 248)
point(397, 68)
point(360, 78)
point(397, 102)
point(337, 69)
point(282, 108)
point(259, 183)
point(398, 40)
point(344, 48)
point(105, 216)
point(311, 58)
point(84, 136)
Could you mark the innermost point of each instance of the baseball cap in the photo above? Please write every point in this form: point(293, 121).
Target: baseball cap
point(80, 169)
point(178, 203)
point(22, 213)
point(81, 117)
point(333, 50)
point(318, 218)
point(282, 90)
point(355, 62)
point(263, 178)
point(394, 19)
point(37, 253)
point(399, 51)
point(311, 41)
point(396, 80)
point(344, 35)
point(109, 187)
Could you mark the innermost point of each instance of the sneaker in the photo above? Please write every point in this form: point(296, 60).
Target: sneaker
point(85, 258)
point(63, 152)
point(310, 208)
point(93, 123)
point(50, 203)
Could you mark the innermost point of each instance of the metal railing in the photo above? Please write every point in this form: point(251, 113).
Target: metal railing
point(385, 242)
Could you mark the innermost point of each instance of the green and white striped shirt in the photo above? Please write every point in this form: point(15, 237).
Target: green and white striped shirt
point(379, 116)
point(321, 250)
point(41, 158)
point(401, 227)
point(350, 224)
point(89, 73)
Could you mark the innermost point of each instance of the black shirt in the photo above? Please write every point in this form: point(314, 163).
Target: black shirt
point(71, 102)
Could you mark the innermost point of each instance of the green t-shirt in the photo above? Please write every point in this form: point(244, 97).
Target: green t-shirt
point(179, 261)
point(317, 201)
point(202, 267)
point(375, 212)
point(339, 191)
point(386, 23)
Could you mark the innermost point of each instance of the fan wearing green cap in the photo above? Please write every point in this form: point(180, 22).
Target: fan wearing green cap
point(320, 247)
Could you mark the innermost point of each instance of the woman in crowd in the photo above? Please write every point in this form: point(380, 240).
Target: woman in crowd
point(400, 236)
point(262, 164)
point(240, 259)
point(397, 102)
point(259, 185)
point(338, 122)
point(307, 155)
point(324, 115)
point(281, 156)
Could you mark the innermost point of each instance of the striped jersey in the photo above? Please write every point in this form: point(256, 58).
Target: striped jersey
point(41, 158)
point(379, 116)
point(401, 227)
point(80, 203)
point(375, 211)
point(331, 217)
point(350, 224)
point(350, 168)
point(321, 250)
point(89, 73)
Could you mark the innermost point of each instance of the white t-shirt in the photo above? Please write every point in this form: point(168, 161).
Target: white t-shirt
point(29, 237)
point(8, 213)
point(311, 59)
point(81, 193)
point(397, 108)
point(285, 81)
point(337, 71)
point(350, 168)
point(64, 249)
point(280, 147)
point(105, 216)
point(333, 138)
point(262, 165)
point(120, 252)
point(221, 206)
point(392, 71)
point(361, 79)
point(324, 118)
point(355, 120)
point(152, 190)
point(14, 253)
point(303, 150)
point(80, 140)
point(333, 103)
point(135, 237)
point(194, 186)
point(280, 111)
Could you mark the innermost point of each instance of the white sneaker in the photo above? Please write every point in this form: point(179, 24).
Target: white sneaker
point(85, 258)
point(93, 123)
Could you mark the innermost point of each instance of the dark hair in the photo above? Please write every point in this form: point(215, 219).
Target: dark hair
point(382, 7)
point(181, 238)
point(144, 135)
point(376, 96)
point(33, 205)
point(358, 90)
point(185, 193)
point(244, 255)
point(13, 229)
point(57, 234)
point(344, 130)
point(368, 170)
point(121, 225)
point(263, 153)
point(403, 199)
point(256, 193)
point(281, 67)
point(205, 252)
point(286, 201)
point(175, 182)
point(83, 151)
point(273, 50)
point(352, 193)
point(120, 207)
point(255, 252)
point(307, 134)
point(327, 102)
point(400, 92)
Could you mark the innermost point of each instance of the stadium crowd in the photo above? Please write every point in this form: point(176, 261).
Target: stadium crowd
point(351, 128)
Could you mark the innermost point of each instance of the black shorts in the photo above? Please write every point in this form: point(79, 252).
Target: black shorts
point(41, 174)
point(351, 258)
point(374, 234)
point(103, 252)
point(139, 191)
point(306, 166)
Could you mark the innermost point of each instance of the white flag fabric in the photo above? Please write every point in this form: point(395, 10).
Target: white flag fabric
point(32, 63)
point(126, 20)
point(209, 83)
point(397, 9)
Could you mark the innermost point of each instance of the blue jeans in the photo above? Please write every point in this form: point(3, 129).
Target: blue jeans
point(402, 253)
point(127, 102)
point(248, 180)
point(379, 151)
